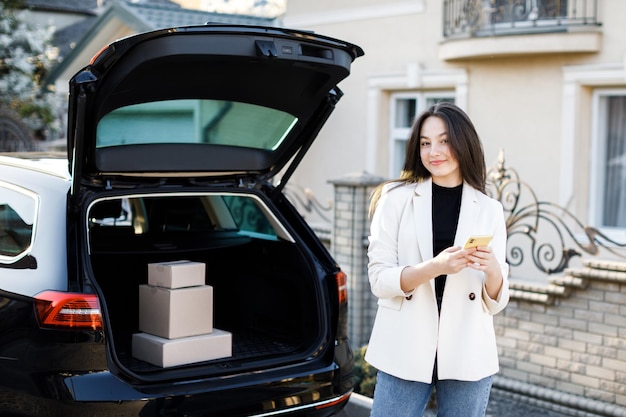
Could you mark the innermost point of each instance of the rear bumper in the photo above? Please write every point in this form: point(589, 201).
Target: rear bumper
point(102, 394)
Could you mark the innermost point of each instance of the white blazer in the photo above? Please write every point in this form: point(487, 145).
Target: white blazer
point(409, 333)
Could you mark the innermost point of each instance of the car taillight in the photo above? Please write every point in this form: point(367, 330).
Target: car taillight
point(342, 286)
point(57, 309)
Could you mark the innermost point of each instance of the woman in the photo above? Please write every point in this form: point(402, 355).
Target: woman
point(436, 300)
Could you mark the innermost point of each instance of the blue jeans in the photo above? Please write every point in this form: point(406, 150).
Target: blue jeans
point(400, 398)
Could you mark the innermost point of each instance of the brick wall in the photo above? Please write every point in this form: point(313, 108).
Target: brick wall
point(349, 248)
point(569, 335)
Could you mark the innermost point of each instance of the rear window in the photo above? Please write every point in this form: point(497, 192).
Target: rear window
point(188, 214)
point(18, 208)
point(248, 216)
point(213, 122)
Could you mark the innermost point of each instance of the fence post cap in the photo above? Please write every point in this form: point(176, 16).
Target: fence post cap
point(358, 178)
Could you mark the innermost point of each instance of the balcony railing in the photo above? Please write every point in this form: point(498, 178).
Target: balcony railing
point(476, 18)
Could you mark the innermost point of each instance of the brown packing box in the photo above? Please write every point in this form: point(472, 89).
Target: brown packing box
point(176, 274)
point(174, 313)
point(165, 352)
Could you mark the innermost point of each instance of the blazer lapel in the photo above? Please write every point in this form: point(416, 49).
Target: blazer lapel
point(422, 212)
point(468, 215)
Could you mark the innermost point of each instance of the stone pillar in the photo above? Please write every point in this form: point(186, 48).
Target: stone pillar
point(349, 248)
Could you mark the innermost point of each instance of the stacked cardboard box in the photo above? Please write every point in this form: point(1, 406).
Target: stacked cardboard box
point(176, 317)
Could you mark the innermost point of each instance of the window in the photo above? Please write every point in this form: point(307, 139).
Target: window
point(249, 216)
point(195, 121)
point(404, 108)
point(608, 191)
point(18, 208)
point(193, 214)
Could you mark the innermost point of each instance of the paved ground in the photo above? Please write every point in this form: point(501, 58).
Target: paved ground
point(499, 406)
point(506, 407)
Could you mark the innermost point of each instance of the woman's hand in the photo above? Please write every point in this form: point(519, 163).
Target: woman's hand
point(483, 259)
point(451, 260)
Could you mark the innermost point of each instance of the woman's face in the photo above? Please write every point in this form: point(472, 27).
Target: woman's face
point(436, 154)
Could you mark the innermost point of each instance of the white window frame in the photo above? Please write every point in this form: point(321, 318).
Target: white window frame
point(597, 164)
point(414, 78)
point(576, 78)
point(400, 135)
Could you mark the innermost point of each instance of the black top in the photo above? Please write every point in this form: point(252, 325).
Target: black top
point(446, 208)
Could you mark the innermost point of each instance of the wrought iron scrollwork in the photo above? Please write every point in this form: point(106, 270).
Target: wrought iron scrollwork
point(305, 202)
point(472, 10)
point(548, 232)
point(15, 136)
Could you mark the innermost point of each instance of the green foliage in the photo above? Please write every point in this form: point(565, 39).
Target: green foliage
point(364, 374)
point(26, 55)
point(11, 4)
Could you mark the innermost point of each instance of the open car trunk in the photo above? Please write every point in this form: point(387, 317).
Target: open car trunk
point(265, 288)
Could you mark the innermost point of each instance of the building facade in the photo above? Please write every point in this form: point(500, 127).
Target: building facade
point(543, 80)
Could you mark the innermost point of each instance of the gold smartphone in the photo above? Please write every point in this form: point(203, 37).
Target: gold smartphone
point(475, 240)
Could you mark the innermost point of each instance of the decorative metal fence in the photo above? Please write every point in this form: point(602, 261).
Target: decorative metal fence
point(476, 18)
point(540, 231)
point(15, 136)
point(309, 207)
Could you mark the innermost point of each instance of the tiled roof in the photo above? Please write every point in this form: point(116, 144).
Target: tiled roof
point(68, 6)
point(157, 16)
point(65, 39)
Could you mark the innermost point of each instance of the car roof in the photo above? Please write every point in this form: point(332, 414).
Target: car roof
point(47, 163)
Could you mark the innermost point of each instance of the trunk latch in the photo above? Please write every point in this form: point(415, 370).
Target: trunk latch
point(266, 48)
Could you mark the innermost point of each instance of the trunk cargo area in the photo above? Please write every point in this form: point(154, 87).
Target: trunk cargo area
point(264, 289)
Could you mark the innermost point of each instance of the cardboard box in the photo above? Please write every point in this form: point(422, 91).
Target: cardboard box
point(176, 274)
point(166, 352)
point(174, 313)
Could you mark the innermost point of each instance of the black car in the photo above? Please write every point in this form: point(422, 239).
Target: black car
point(176, 138)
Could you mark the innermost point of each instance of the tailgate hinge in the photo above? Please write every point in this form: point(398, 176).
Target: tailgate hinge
point(247, 183)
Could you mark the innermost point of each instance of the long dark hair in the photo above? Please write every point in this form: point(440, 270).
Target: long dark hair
point(464, 143)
